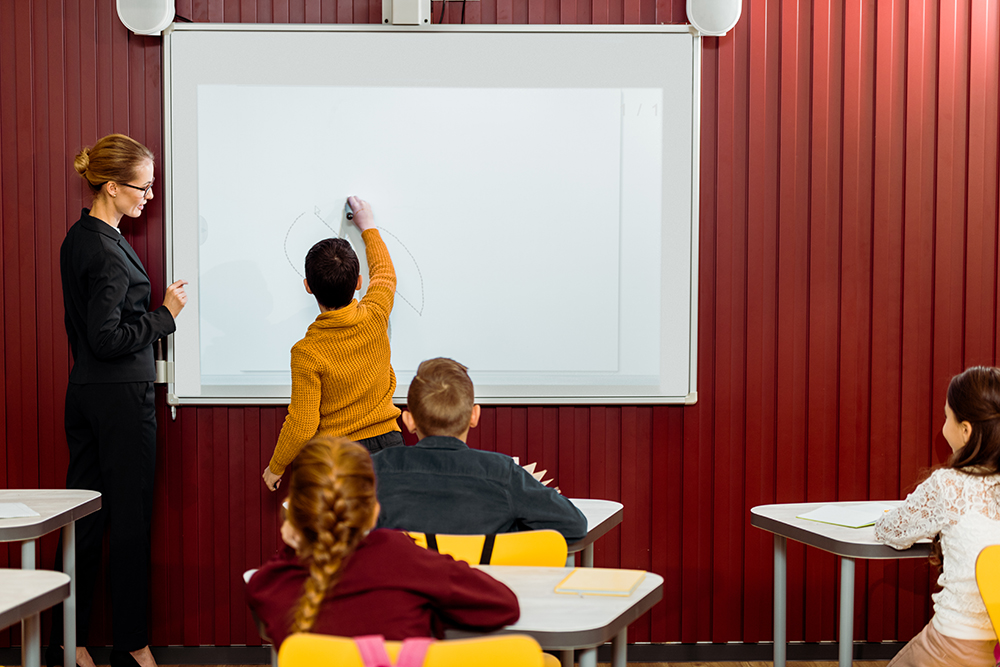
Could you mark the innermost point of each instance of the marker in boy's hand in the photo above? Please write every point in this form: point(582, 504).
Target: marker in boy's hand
point(363, 216)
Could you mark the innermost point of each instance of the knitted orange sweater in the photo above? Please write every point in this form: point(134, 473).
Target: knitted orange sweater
point(342, 381)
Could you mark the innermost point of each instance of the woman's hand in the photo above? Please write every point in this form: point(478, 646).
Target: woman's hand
point(175, 298)
point(363, 216)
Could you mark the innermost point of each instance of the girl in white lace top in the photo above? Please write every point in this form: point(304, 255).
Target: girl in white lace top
point(961, 503)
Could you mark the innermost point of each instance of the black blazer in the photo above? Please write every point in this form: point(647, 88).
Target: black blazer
point(106, 297)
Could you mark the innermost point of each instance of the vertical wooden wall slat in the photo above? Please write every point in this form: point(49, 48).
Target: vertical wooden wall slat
point(237, 519)
point(849, 194)
point(886, 265)
point(761, 338)
point(8, 181)
point(824, 296)
point(981, 237)
point(699, 431)
point(732, 167)
point(855, 365)
point(793, 281)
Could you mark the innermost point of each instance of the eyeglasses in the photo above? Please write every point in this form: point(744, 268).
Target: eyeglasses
point(144, 190)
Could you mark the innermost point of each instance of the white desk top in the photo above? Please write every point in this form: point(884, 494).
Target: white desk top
point(57, 507)
point(24, 593)
point(602, 516)
point(840, 540)
point(563, 622)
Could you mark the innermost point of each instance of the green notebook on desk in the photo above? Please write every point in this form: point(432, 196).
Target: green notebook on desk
point(600, 581)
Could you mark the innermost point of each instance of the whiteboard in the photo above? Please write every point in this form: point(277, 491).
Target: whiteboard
point(536, 189)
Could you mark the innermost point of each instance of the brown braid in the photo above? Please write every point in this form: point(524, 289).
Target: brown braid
point(331, 502)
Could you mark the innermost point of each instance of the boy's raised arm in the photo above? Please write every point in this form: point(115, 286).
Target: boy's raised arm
point(381, 274)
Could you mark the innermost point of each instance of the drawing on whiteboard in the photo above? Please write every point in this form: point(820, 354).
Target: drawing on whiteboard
point(302, 235)
point(420, 276)
point(288, 233)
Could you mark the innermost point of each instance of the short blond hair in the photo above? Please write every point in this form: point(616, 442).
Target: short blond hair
point(441, 397)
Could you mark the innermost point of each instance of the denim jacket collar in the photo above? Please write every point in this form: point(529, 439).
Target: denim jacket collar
point(441, 442)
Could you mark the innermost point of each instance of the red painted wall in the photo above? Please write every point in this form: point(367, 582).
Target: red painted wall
point(848, 267)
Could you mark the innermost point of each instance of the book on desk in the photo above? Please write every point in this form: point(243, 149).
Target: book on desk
point(600, 581)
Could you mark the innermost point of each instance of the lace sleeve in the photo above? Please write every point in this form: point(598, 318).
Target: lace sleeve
point(918, 517)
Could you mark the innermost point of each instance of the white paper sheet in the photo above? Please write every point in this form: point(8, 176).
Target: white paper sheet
point(851, 516)
point(16, 511)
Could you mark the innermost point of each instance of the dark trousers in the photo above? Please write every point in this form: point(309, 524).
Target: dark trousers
point(377, 443)
point(111, 433)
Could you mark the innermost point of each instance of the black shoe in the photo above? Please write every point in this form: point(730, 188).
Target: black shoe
point(123, 659)
point(54, 655)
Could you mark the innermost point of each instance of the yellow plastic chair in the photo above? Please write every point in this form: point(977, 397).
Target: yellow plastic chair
point(309, 650)
point(988, 578)
point(543, 548)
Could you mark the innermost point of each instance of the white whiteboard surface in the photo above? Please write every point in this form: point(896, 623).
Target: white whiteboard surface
point(536, 190)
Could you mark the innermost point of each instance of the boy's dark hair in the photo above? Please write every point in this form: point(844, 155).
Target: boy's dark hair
point(332, 270)
point(441, 397)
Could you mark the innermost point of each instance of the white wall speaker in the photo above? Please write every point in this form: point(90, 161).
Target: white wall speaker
point(146, 17)
point(406, 12)
point(714, 17)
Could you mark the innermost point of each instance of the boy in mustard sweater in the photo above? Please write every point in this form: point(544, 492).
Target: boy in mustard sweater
point(342, 381)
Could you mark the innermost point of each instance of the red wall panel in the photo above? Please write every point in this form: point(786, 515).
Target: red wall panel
point(848, 266)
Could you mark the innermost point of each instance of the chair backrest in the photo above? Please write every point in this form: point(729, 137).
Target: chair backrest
point(309, 650)
point(988, 578)
point(543, 548)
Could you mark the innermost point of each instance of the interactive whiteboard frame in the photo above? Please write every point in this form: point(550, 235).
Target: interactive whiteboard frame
point(528, 394)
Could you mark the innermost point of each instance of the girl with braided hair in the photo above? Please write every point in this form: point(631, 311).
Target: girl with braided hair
point(338, 576)
point(960, 504)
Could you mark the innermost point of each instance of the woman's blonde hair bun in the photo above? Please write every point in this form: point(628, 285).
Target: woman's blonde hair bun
point(115, 157)
point(82, 161)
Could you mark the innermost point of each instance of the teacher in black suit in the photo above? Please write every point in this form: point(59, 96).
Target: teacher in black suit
point(110, 416)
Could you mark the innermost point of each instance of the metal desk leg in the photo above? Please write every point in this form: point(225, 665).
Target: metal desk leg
point(567, 658)
point(588, 657)
point(274, 656)
point(31, 641)
point(69, 605)
point(28, 555)
point(31, 631)
point(570, 560)
point(619, 649)
point(846, 612)
point(780, 599)
point(587, 557)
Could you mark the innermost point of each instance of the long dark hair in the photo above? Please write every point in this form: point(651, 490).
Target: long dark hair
point(974, 397)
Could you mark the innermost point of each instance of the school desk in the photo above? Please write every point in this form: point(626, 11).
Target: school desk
point(570, 622)
point(23, 595)
point(57, 508)
point(602, 516)
point(848, 543)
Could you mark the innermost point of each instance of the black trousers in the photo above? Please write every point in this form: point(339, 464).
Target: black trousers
point(111, 433)
point(377, 443)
